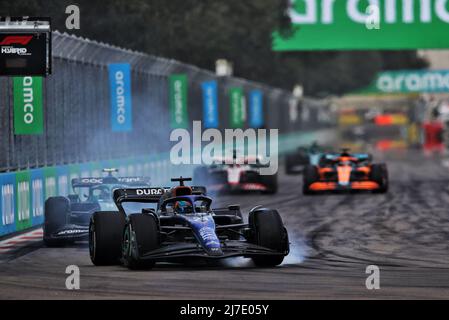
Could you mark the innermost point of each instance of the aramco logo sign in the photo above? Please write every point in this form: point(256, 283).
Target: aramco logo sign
point(410, 81)
point(28, 113)
point(344, 25)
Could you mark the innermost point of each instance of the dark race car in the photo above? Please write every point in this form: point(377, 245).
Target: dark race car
point(179, 225)
point(241, 175)
point(296, 161)
point(345, 172)
point(66, 219)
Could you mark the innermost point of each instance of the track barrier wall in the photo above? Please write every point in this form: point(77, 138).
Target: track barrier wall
point(23, 193)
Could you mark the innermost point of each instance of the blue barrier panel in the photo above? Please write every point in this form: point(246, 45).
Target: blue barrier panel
point(7, 203)
point(37, 196)
point(121, 97)
point(256, 116)
point(210, 104)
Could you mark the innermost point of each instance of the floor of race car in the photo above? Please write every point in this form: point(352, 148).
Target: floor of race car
point(333, 240)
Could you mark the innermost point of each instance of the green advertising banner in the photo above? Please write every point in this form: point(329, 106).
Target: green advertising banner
point(23, 200)
point(28, 110)
point(364, 25)
point(236, 104)
point(410, 81)
point(179, 117)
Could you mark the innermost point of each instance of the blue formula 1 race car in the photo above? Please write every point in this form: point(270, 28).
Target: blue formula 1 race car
point(66, 219)
point(296, 161)
point(178, 225)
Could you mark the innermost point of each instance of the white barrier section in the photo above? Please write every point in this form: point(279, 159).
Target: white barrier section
point(7, 204)
point(37, 197)
point(50, 187)
point(63, 186)
point(23, 200)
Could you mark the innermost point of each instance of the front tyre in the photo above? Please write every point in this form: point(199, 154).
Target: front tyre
point(379, 174)
point(105, 238)
point(290, 162)
point(141, 236)
point(310, 176)
point(269, 232)
point(56, 215)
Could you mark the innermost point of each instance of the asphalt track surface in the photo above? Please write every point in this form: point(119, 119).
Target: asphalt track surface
point(333, 239)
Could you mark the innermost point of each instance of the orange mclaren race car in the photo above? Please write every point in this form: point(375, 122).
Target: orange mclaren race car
point(345, 172)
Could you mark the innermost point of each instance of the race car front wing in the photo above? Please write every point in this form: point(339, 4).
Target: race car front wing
point(230, 249)
point(334, 186)
point(71, 232)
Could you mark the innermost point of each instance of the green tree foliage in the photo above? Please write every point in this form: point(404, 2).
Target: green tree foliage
point(201, 31)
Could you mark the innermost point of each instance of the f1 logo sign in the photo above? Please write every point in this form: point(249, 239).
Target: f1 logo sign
point(9, 40)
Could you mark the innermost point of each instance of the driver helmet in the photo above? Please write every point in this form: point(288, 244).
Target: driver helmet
point(183, 207)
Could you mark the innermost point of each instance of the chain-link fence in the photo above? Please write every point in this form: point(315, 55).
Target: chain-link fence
point(76, 102)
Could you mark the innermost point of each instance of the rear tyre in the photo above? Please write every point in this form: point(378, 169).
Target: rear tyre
point(379, 174)
point(57, 211)
point(310, 176)
point(141, 236)
point(269, 232)
point(105, 238)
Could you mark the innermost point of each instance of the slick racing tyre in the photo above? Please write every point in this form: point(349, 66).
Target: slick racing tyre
point(141, 236)
point(56, 214)
point(271, 183)
point(290, 163)
point(269, 232)
point(379, 174)
point(105, 238)
point(310, 176)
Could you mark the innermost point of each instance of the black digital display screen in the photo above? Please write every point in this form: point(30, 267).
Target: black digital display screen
point(24, 54)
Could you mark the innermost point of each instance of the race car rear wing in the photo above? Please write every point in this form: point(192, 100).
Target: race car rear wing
point(196, 190)
point(141, 195)
point(147, 195)
point(144, 195)
point(360, 157)
point(95, 181)
point(134, 181)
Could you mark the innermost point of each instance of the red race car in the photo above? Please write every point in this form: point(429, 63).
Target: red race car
point(345, 172)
